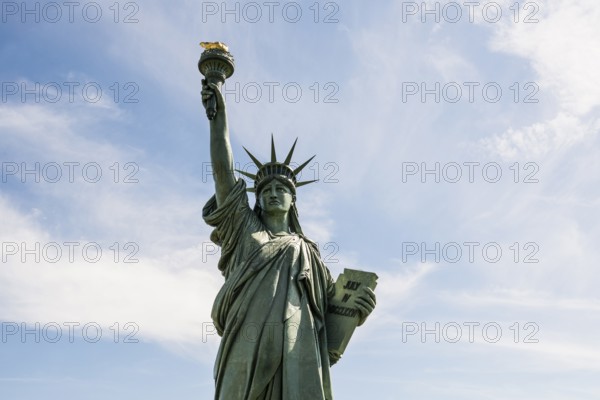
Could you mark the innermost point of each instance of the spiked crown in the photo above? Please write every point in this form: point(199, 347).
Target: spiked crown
point(276, 169)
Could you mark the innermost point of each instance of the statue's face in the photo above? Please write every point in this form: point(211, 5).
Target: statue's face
point(275, 198)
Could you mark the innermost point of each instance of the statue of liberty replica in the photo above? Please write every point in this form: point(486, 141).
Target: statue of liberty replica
point(272, 311)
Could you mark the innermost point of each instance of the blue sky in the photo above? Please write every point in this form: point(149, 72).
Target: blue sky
point(487, 263)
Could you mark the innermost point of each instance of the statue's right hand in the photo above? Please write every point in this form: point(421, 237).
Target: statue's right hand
point(209, 90)
point(207, 93)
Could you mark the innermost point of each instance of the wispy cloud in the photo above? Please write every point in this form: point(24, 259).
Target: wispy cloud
point(167, 293)
point(561, 50)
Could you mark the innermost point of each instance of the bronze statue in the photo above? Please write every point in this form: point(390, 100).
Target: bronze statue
point(271, 311)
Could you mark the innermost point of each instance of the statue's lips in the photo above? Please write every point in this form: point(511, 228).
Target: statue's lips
point(274, 202)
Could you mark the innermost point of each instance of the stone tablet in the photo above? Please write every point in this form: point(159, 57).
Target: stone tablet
point(342, 315)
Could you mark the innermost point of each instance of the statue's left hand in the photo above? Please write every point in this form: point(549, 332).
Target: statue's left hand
point(365, 302)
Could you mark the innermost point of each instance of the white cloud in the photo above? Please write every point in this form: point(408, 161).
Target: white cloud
point(168, 293)
point(561, 48)
point(398, 292)
point(539, 139)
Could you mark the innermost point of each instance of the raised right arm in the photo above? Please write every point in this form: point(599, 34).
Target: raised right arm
point(221, 156)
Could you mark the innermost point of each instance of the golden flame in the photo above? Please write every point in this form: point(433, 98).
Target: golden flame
point(214, 45)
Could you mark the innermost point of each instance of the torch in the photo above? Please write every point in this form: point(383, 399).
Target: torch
point(216, 64)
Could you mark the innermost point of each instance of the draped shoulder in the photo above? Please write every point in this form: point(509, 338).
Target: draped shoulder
point(237, 227)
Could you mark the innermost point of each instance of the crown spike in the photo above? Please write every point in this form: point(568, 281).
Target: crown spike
point(288, 159)
point(249, 175)
point(275, 168)
point(303, 165)
point(258, 163)
point(273, 155)
point(305, 182)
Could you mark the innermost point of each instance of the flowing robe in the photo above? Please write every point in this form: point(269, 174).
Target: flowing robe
point(270, 311)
